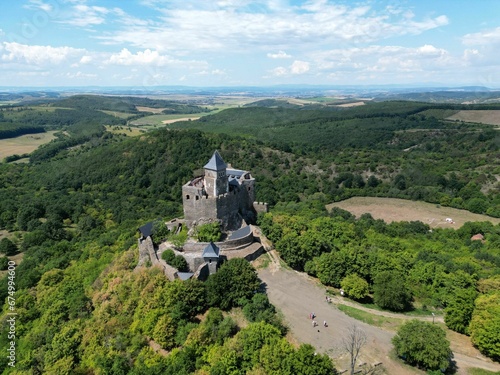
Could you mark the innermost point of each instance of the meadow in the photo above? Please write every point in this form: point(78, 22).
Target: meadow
point(24, 144)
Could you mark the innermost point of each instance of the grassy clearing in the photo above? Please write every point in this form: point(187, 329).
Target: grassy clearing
point(16, 258)
point(480, 371)
point(123, 115)
point(392, 209)
point(24, 144)
point(491, 117)
point(129, 131)
point(158, 120)
point(372, 319)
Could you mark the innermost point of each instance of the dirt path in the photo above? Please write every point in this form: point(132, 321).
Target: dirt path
point(296, 295)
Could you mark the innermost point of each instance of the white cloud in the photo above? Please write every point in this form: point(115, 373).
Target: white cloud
point(279, 55)
point(37, 55)
point(273, 25)
point(146, 57)
point(85, 59)
point(150, 58)
point(299, 67)
point(482, 38)
point(38, 5)
point(385, 59)
point(279, 71)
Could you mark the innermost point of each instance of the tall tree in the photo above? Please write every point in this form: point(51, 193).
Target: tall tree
point(352, 344)
point(423, 344)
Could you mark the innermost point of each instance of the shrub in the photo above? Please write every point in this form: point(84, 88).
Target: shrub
point(209, 232)
point(423, 344)
point(168, 256)
point(355, 287)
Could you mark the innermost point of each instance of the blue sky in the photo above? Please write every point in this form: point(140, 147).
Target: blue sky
point(257, 43)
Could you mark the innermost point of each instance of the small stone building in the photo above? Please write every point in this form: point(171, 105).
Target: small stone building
point(222, 194)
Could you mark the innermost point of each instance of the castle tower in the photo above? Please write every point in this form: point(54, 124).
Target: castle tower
point(215, 176)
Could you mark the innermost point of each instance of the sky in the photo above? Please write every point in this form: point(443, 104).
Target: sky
point(147, 43)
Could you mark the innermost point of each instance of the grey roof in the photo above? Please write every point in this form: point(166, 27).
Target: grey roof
point(215, 163)
point(184, 275)
point(235, 173)
point(240, 233)
point(211, 251)
point(146, 230)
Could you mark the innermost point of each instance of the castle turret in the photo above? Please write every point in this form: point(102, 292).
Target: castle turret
point(215, 176)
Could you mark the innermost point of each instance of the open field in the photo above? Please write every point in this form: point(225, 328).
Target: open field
point(124, 115)
point(392, 209)
point(161, 120)
point(491, 117)
point(130, 131)
point(24, 144)
point(149, 109)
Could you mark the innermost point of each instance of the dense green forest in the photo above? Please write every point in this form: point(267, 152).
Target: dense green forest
point(395, 149)
point(73, 212)
point(126, 104)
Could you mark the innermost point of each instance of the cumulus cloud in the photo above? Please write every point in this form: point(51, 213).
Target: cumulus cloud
point(487, 37)
point(271, 25)
point(279, 55)
point(299, 67)
point(150, 58)
point(279, 71)
point(384, 59)
point(37, 55)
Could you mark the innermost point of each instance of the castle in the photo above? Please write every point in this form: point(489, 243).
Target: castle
point(222, 194)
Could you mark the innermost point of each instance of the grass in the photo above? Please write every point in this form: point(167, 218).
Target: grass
point(24, 144)
point(416, 312)
point(392, 209)
point(158, 119)
point(368, 318)
point(130, 131)
point(480, 371)
point(123, 115)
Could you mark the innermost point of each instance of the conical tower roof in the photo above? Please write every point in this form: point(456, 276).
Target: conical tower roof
point(216, 163)
point(211, 251)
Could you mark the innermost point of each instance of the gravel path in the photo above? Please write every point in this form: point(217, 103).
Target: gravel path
point(296, 295)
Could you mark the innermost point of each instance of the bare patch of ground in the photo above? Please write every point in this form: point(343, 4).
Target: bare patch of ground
point(392, 209)
point(149, 109)
point(355, 104)
point(24, 144)
point(488, 116)
point(180, 119)
point(296, 295)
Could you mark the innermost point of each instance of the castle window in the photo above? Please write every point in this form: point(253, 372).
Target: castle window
point(249, 188)
point(187, 196)
point(197, 197)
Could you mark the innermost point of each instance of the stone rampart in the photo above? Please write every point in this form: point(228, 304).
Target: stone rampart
point(198, 247)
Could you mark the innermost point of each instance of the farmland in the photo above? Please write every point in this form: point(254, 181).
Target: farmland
point(24, 144)
point(392, 209)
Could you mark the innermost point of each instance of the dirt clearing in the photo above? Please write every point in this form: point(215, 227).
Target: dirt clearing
point(296, 295)
point(180, 119)
point(486, 116)
point(392, 209)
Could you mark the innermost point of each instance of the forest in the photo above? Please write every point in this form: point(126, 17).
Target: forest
point(74, 209)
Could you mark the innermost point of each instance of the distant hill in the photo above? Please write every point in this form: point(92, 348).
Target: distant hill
point(126, 104)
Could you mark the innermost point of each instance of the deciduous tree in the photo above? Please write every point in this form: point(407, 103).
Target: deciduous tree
point(423, 344)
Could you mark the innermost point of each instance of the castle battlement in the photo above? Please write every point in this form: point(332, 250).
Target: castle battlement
point(223, 193)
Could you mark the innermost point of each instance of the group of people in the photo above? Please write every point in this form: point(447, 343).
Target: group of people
point(314, 323)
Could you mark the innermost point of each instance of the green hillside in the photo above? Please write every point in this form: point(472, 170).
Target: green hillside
point(74, 210)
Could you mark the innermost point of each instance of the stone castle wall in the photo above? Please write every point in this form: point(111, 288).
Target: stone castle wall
point(198, 247)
